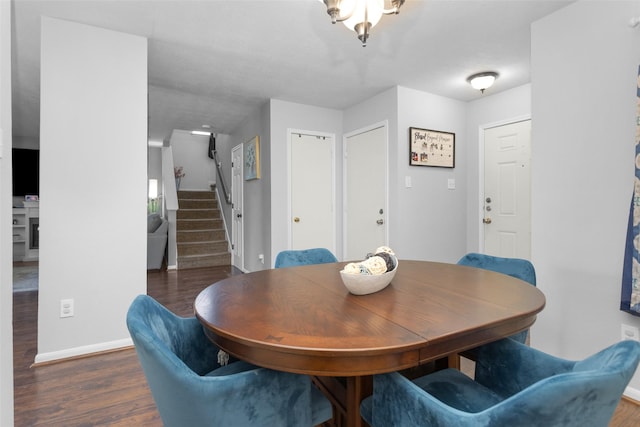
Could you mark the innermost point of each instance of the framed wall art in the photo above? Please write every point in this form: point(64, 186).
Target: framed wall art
point(252, 159)
point(431, 148)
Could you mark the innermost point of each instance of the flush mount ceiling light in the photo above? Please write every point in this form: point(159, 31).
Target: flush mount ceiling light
point(482, 81)
point(206, 132)
point(360, 15)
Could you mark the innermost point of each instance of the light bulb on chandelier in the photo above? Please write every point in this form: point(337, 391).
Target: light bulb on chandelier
point(360, 16)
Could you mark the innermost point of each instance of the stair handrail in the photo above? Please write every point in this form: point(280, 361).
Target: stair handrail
point(170, 205)
point(227, 195)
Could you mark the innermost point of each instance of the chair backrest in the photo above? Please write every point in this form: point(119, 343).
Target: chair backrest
point(181, 368)
point(293, 258)
point(514, 267)
point(585, 396)
point(520, 386)
point(165, 338)
point(173, 352)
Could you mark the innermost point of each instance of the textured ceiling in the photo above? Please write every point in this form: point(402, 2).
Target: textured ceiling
point(213, 62)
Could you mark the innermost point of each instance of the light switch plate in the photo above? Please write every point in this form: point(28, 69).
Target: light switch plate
point(451, 184)
point(407, 181)
point(628, 332)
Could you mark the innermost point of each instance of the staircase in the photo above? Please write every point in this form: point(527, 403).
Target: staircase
point(200, 231)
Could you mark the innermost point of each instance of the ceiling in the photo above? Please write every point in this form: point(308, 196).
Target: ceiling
point(214, 62)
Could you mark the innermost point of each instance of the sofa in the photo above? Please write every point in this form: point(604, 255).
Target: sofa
point(157, 228)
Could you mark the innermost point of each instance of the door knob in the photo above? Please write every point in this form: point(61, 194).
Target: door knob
point(296, 219)
point(487, 220)
point(239, 215)
point(380, 222)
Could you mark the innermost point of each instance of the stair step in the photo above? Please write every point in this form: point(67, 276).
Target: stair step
point(197, 204)
point(210, 195)
point(200, 234)
point(198, 214)
point(198, 224)
point(185, 236)
point(202, 248)
point(210, 260)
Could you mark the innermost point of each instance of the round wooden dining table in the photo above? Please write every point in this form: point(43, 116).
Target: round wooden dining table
point(303, 320)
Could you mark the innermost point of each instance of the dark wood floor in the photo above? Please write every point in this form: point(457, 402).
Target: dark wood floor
point(107, 389)
point(110, 389)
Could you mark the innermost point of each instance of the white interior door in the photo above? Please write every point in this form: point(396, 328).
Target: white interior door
point(507, 190)
point(237, 228)
point(312, 189)
point(365, 203)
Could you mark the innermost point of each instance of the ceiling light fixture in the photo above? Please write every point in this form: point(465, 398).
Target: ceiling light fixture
point(482, 81)
point(200, 132)
point(360, 15)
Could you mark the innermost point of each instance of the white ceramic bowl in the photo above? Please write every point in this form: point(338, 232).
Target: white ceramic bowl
point(363, 284)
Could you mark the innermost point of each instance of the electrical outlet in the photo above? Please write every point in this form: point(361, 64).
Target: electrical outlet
point(261, 258)
point(628, 332)
point(66, 308)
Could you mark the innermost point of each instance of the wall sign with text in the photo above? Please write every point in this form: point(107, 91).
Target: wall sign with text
point(431, 148)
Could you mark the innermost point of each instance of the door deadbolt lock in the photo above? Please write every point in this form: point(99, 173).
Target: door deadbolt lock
point(487, 220)
point(381, 211)
point(296, 219)
point(488, 199)
point(488, 208)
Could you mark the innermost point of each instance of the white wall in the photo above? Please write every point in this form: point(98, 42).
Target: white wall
point(510, 105)
point(6, 245)
point(26, 142)
point(432, 219)
point(288, 115)
point(376, 109)
point(190, 152)
point(584, 76)
point(93, 148)
point(257, 192)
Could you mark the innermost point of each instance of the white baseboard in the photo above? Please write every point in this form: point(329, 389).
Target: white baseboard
point(82, 351)
point(632, 393)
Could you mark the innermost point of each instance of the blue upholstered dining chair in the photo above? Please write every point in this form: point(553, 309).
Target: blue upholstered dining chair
point(514, 267)
point(515, 385)
point(192, 389)
point(293, 258)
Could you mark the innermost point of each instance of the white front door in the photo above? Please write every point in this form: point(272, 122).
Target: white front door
point(312, 189)
point(507, 190)
point(365, 193)
point(237, 229)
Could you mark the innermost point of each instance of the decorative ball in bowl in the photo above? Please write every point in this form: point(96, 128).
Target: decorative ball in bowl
point(371, 275)
point(364, 284)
